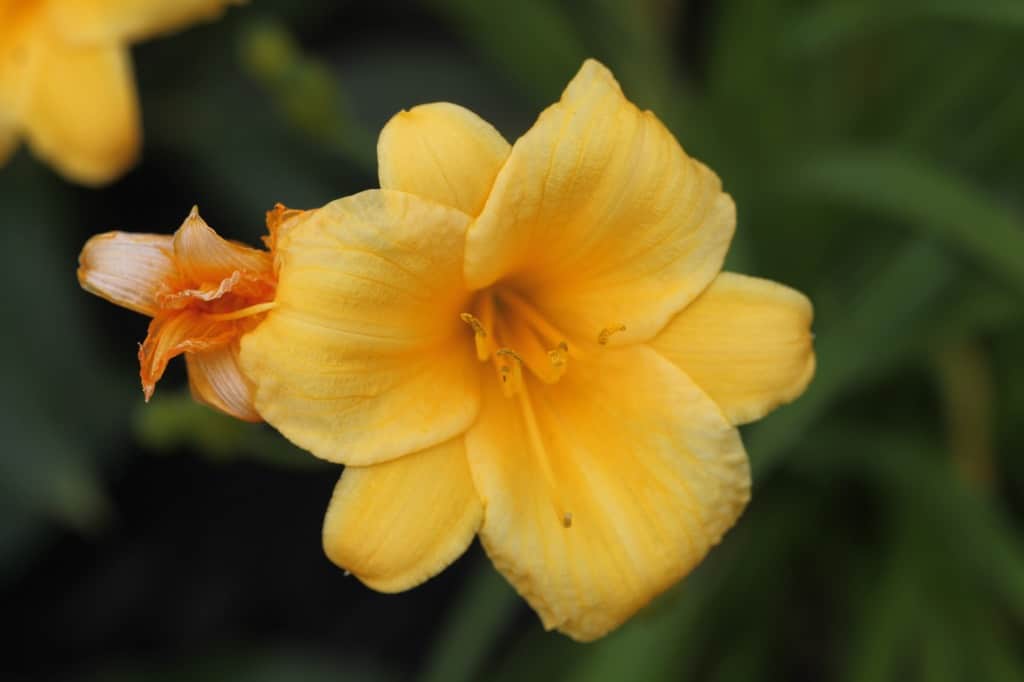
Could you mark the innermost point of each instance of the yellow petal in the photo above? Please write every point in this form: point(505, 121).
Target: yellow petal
point(205, 257)
point(20, 44)
point(107, 20)
point(396, 524)
point(746, 341)
point(600, 217)
point(215, 380)
point(14, 69)
point(640, 465)
point(442, 152)
point(129, 270)
point(171, 334)
point(82, 115)
point(364, 358)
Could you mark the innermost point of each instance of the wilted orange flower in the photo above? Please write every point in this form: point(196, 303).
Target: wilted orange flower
point(534, 343)
point(66, 78)
point(203, 293)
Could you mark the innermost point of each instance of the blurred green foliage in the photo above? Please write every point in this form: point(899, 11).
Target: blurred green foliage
point(876, 152)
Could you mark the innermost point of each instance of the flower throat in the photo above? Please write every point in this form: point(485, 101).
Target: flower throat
point(512, 334)
point(515, 336)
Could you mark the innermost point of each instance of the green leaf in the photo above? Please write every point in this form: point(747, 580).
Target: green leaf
point(632, 38)
point(306, 91)
point(482, 612)
point(171, 422)
point(883, 628)
point(998, 130)
point(532, 41)
point(684, 629)
point(647, 647)
point(833, 25)
point(877, 328)
point(265, 663)
point(966, 387)
point(55, 397)
point(996, 654)
point(975, 308)
point(965, 525)
point(930, 200)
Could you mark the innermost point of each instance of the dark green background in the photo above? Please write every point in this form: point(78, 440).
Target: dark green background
point(875, 150)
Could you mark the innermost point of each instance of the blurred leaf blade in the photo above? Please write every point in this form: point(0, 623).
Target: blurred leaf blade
point(532, 41)
point(471, 631)
point(173, 422)
point(833, 25)
point(966, 386)
point(306, 91)
point(878, 327)
point(932, 201)
point(632, 38)
point(971, 529)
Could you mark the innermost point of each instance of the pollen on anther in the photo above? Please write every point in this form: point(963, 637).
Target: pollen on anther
point(558, 355)
point(483, 347)
point(605, 334)
point(512, 372)
point(477, 326)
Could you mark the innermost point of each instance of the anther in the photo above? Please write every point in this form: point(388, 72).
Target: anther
point(559, 355)
point(511, 373)
point(559, 359)
point(477, 326)
point(605, 334)
point(508, 352)
point(567, 520)
point(483, 350)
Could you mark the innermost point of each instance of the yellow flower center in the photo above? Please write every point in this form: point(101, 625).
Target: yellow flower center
point(511, 333)
point(514, 335)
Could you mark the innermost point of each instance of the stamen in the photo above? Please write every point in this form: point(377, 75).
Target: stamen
point(563, 516)
point(605, 334)
point(534, 319)
point(511, 373)
point(559, 358)
point(559, 355)
point(483, 350)
point(243, 312)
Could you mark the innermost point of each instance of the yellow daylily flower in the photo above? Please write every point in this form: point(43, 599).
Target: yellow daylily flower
point(533, 343)
point(66, 80)
point(203, 293)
